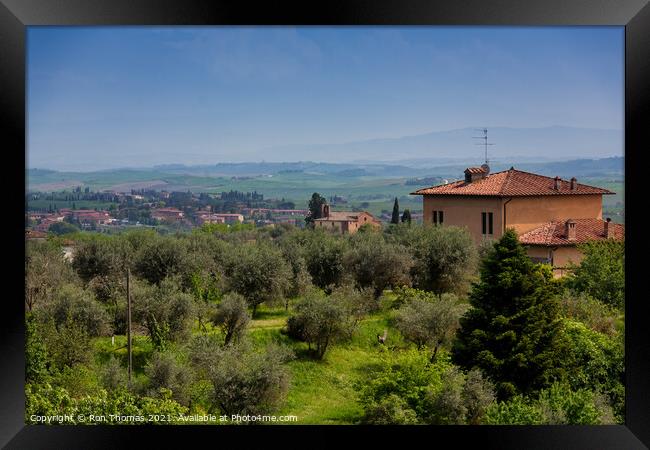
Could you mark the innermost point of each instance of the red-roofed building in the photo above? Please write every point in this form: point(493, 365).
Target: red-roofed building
point(487, 204)
point(167, 214)
point(344, 221)
point(555, 242)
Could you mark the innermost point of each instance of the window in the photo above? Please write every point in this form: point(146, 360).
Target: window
point(438, 217)
point(488, 223)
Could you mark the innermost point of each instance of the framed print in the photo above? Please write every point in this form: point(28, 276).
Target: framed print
point(415, 220)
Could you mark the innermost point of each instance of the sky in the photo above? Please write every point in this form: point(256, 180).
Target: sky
point(105, 97)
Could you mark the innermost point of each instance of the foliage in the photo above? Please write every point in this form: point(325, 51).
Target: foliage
point(77, 304)
point(406, 217)
point(315, 204)
point(232, 316)
point(557, 405)
point(164, 371)
point(47, 400)
point(377, 264)
point(61, 228)
point(408, 375)
point(444, 257)
point(45, 271)
point(113, 376)
point(391, 410)
point(246, 381)
point(461, 399)
point(429, 322)
point(596, 362)
point(165, 311)
point(595, 314)
point(319, 321)
point(101, 256)
point(258, 272)
point(601, 272)
point(67, 343)
point(160, 258)
point(324, 256)
point(395, 216)
point(513, 330)
point(35, 352)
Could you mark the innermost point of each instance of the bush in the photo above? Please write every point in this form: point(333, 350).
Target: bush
point(408, 375)
point(429, 322)
point(81, 307)
point(259, 273)
point(593, 313)
point(462, 399)
point(113, 375)
point(319, 321)
point(391, 410)
point(601, 272)
point(557, 405)
point(161, 258)
point(324, 257)
point(376, 264)
point(164, 371)
point(48, 400)
point(232, 316)
point(165, 311)
point(445, 258)
point(247, 382)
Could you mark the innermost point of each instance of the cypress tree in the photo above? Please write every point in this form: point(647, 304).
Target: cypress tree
point(513, 330)
point(406, 217)
point(395, 218)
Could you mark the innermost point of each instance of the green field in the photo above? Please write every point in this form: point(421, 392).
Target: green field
point(378, 192)
point(320, 392)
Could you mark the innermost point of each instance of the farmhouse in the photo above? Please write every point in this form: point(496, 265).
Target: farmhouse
point(551, 215)
point(167, 214)
point(344, 221)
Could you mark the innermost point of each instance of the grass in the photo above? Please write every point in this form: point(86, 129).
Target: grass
point(323, 392)
point(320, 392)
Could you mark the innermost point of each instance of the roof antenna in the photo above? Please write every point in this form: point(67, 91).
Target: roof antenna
point(485, 143)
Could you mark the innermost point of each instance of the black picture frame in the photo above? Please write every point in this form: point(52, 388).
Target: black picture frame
point(16, 15)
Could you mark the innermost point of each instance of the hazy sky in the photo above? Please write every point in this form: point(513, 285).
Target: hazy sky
point(103, 97)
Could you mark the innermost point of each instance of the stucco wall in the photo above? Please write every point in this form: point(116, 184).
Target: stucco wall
point(561, 256)
point(526, 213)
point(465, 212)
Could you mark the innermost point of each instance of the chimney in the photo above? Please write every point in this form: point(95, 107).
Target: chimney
point(326, 210)
point(573, 183)
point(556, 185)
point(608, 233)
point(476, 173)
point(570, 230)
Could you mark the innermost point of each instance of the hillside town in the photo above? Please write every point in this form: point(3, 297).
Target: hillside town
point(552, 216)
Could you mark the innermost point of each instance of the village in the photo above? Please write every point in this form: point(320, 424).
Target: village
point(552, 216)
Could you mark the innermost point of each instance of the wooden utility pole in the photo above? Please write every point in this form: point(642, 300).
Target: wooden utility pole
point(128, 319)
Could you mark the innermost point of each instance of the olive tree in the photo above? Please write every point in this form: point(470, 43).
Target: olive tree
point(430, 322)
point(258, 272)
point(232, 316)
point(376, 264)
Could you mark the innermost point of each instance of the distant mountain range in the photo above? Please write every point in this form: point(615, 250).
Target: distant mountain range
point(181, 176)
point(549, 143)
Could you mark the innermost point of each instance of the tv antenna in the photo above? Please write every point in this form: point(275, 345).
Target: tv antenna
point(485, 143)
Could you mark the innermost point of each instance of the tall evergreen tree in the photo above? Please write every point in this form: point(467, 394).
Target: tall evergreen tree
point(395, 218)
point(315, 205)
point(406, 217)
point(513, 330)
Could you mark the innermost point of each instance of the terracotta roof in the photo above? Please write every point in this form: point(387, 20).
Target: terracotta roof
point(554, 233)
point(511, 183)
point(345, 216)
point(475, 170)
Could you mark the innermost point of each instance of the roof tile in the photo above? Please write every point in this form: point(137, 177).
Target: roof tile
point(511, 183)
